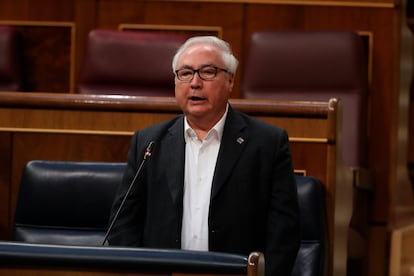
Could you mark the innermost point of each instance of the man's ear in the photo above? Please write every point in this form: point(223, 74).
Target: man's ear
point(231, 81)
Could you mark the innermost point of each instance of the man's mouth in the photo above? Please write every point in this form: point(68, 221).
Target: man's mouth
point(195, 98)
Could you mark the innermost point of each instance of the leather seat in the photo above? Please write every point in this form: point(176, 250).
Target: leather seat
point(10, 67)
point(313, 252)
point(65, 203)
point(129, 63)
point(68, 203)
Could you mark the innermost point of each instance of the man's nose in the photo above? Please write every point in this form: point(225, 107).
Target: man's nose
point(196, 81)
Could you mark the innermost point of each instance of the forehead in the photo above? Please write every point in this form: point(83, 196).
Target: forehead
point(200, 54)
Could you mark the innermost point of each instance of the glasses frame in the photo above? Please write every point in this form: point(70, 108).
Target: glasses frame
point(218, 69)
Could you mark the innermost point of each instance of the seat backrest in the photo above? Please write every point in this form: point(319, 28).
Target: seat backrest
point(129, 62)
point(312, 258)
point(65, 203)
point(68, 203)
point(314, 66)
point(10, 68)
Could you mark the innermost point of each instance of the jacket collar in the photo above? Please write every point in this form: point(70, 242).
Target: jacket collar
point(234, 140)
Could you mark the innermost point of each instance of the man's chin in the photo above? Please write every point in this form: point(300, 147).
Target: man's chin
point(198, 111)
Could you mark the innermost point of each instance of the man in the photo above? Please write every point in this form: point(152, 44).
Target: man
point(217, 179)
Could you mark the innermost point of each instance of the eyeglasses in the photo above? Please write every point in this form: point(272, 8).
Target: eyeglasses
point(206, 72)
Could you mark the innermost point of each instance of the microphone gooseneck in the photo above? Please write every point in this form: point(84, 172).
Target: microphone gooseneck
point(147, 154)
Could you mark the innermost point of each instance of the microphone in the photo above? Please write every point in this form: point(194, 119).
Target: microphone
point(147, 154)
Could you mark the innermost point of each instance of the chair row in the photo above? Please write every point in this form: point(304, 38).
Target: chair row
point(68, 203)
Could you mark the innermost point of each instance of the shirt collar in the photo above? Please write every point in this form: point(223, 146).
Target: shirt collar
point(217, 129)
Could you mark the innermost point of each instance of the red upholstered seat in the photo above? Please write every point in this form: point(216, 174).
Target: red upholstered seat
point(10, 68)
point(313, 66)
point(129, 62)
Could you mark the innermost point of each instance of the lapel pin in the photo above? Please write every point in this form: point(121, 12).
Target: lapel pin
point(240, 140)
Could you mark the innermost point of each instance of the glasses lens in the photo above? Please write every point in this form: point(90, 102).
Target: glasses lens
point(208, 72)
point(185, 74)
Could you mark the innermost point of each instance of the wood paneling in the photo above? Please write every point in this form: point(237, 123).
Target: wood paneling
point(341, 3)
point(47, 55)
point(176, 29)
point(39, 10)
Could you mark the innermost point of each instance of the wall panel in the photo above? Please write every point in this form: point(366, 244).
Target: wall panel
point(47, 50)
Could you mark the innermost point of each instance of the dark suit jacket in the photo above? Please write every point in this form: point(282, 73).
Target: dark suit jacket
point(253, 200)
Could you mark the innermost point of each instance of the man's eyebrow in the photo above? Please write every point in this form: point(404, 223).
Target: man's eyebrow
point(207, 64)
point(185, 67)
point(203, 65)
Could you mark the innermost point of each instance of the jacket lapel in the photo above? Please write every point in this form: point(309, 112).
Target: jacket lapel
point(175, 144)
point(233, 142)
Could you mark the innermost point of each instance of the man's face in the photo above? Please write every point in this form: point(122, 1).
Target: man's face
point(199, 99)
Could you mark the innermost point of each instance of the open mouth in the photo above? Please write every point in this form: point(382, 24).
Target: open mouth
point(195, 98)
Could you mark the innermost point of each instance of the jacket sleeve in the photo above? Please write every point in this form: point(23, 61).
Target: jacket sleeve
point(283, 229)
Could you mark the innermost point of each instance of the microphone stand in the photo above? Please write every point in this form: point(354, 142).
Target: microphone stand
point(146, 155)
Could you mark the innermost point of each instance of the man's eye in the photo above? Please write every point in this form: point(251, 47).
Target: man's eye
point(208, 71)
point(186, 73)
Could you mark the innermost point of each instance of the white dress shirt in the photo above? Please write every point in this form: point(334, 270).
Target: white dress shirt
point(200, 162)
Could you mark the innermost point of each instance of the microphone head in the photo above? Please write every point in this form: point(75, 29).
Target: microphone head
point(149, 149)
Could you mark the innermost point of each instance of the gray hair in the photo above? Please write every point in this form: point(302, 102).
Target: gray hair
point(230, 61)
